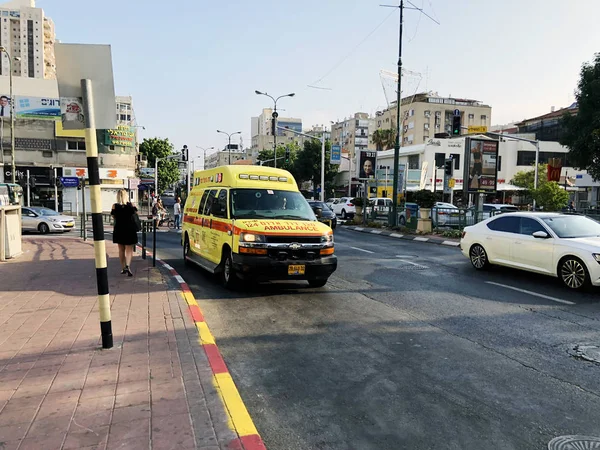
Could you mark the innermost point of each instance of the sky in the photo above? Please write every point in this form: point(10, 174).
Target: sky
point(192, 66)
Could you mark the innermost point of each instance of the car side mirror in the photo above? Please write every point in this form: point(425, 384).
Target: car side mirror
point(318, 211)
point(540, 235)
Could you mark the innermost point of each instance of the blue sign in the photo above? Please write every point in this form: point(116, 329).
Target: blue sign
point(69, 181)
point(457, 112)
point(336, 154)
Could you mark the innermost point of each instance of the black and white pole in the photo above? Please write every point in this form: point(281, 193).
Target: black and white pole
point(91, 146)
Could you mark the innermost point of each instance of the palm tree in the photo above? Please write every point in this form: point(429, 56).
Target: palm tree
point(390, 138)
point(379, 139)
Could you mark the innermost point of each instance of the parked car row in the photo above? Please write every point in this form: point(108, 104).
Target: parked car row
point(45, 220)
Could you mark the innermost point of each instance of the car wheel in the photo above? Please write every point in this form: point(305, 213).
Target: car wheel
point(478, 257)
point(317, 283)
point(43, 228)
point(186, 251)
point(344, 215)
point(229, 278)
point(573, 273)
point(402, 220)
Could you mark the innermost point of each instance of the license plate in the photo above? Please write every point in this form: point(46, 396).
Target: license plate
point(296, 269)
point(70, 224)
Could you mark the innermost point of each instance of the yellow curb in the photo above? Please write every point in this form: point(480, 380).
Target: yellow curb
point(189, 298)
point(206, 336)
point(235, 405)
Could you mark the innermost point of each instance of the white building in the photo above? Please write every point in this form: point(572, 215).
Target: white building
point(29, 37)
point(223, 157)
point(261, 130)
point(514, 157)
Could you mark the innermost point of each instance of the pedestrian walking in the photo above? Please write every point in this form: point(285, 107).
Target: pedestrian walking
point(125, 229)
point(177, 213)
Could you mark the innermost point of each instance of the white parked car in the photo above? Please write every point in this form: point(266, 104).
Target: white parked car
point(45, 220)
point(342, 207)
point(559, 245)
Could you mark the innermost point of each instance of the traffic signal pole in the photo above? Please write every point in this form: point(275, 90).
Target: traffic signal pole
point(393, 219)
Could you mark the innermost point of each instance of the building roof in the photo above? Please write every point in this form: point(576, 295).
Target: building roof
point(558, 113)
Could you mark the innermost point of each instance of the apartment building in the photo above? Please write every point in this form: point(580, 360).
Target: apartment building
point(354, 133)
point(231, 153)
point(261, 131)
point(427, 114)
point(29, 37)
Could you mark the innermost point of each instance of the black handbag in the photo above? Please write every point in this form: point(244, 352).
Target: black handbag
point(136, 221)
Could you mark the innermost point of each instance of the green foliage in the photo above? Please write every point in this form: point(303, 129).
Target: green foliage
point(425, 198)
point(307, 165)
point(384, 139)
point(549, 195)
point(582, 131)
point(267, 154)
point(454, 234)
point(168, 170)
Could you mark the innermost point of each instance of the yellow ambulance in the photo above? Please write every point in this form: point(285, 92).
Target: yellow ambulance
point(252, 223)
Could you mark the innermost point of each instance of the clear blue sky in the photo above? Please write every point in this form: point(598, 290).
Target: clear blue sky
point(192, 65)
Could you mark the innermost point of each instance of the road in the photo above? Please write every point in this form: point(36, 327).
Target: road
point(406, 347)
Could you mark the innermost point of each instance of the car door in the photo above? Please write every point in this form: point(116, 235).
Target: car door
point(498, 240)
point(529, 252)
point(28, 220)
point(218, 226)
point(206, 220)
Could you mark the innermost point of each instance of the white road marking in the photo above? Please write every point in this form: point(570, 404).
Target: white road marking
point(402, 258)
point(547, 297)
point(179, 279)
point(376, 231)
point(396, 235)
point(167, 266)
point(362, 250)
point(452, 243)
point(358, 229)
point(421, 239)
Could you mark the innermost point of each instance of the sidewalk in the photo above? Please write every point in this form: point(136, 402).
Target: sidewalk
point(59, 390)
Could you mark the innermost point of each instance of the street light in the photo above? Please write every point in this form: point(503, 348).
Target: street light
point(229, 145)
point(204, 150)
point(12, 113)
point(274, 115)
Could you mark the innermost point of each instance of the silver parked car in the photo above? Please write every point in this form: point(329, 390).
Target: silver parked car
point(45, 220)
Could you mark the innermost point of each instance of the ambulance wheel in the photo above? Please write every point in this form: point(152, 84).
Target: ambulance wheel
point(229, 278)
point(186, 251)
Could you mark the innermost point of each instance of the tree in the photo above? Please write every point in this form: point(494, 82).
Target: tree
point(267, 154)
point(548, 194)
point(307, 165)
point(582, 131)
point(384, 139)
point(168, 170)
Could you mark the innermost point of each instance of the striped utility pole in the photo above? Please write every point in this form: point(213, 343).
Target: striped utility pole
point(91, 146)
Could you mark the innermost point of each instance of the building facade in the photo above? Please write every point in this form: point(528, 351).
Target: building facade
point(427, 114)
point(29, 37)
point(222, 157)
point(354, 134)
point(261, 130)
point(547, 127)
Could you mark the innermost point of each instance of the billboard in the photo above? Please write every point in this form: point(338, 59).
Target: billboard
point(481, 165)
point(367, 164)
point(336, 154)
point(31, 107)
point(122, 136)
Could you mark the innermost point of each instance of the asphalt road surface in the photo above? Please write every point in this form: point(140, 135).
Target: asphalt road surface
point(406, 347)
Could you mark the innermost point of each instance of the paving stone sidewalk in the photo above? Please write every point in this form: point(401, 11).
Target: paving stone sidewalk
point(60, 390)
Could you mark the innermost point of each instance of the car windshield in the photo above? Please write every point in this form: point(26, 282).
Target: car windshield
point(573, 226)
point(321, 205)
point(46, 212)
point(270, 204)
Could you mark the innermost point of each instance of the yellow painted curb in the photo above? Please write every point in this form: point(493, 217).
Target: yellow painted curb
point(206, 336)
point(235, 405)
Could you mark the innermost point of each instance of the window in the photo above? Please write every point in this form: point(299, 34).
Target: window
point(525, 158)
point(505, 224)
point(530, 226)
point(439, 159)
point(427, 113)
point(123, 117)
point(425, 138)
point(221, 202)
point(499, 163)
point(411, 112)
point(202, 201)
point(209, 201)
point(426, 126)
point(75, 145)
point(128, 117)
point(456, 159)
point(471, 116)
point(413, 162)
point(483, 117)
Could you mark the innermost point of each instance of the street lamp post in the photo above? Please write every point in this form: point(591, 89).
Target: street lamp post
point(204, 150)
point(12, 115)
point(229, 145)
point(274, 115)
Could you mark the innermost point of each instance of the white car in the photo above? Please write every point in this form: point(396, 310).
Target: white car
point(560, 245)
point(45, 220)
point(342, 207)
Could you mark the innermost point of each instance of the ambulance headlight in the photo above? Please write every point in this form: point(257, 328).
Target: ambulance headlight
point(251, 237)
point(327, 239)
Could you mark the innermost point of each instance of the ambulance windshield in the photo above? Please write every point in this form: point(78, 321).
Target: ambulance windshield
point(270, 204)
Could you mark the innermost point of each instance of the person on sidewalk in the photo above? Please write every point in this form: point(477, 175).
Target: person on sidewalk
point(177, 213)
point(124, 233)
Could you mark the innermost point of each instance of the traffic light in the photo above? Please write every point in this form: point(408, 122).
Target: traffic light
point(184, 153)
point(287, 154)
point(456, 126)
point(32, 182)
point(52, 178)
point(448, 170)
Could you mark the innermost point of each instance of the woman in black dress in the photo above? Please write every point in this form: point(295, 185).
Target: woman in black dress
point(125, 231)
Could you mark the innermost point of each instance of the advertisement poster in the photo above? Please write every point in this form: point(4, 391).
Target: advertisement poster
point(37, 108)
point(71, 109)
point(4, 106)
point(336, 154)
point(122, 136)
point(367, 164)
point(482, 163)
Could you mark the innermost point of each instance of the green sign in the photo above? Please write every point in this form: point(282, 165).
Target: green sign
point(122, 136)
